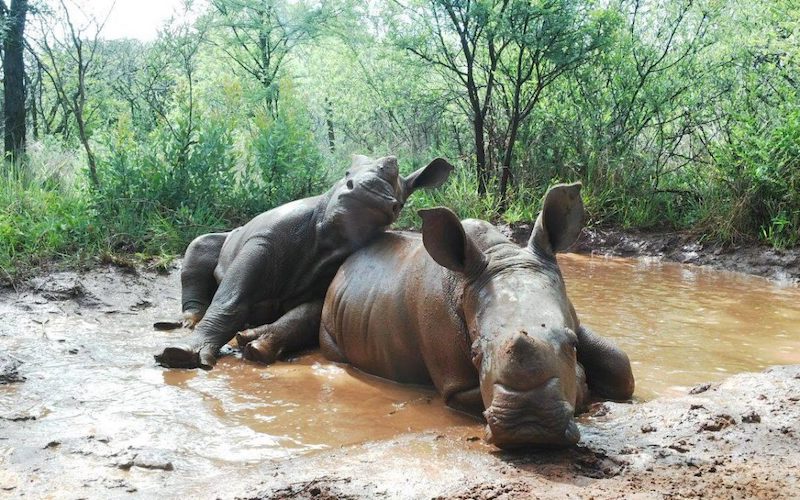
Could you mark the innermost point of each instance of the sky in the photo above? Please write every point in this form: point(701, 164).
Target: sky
point(129, 18)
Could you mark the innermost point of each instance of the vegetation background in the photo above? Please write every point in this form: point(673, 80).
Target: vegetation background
point(675, 114)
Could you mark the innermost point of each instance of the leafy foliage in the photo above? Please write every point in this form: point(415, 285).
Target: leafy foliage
point(678, 114)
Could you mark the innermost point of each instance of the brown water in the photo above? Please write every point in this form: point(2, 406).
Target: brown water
point(683, 325)
point(93, 395)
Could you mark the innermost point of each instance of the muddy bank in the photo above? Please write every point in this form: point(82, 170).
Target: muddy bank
point(737, 439)
point(779, 265)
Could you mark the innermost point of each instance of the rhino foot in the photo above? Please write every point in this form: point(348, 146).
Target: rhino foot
point(191, 318)
point(187, 357)
point(245, 337)
point(261, 350)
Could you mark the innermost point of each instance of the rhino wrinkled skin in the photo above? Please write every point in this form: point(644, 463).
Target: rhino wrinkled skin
point(274, 271)
point(486, 322)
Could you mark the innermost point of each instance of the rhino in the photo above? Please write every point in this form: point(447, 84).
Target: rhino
point(485, 321)
point(273, 272)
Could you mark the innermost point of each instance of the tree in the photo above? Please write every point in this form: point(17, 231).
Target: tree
point(460, 38)
point(13, 20)
point(70, 63)
point(546, 40)
point(258, 35)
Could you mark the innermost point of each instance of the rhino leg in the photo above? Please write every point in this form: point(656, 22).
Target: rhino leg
point(296, 330)
point(198, 283)
point(328, 346)
point(468, 401)
point(227, 314)
point(607, 367)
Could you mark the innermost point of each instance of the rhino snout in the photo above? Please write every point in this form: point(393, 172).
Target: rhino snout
point(537, 417)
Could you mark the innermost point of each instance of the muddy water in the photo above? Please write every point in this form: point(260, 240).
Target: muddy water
point(683, 325)
point(96, 417)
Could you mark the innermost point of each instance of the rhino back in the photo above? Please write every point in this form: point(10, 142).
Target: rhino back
point(390, 312)
point(296, 256)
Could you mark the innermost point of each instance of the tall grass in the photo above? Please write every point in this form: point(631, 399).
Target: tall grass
point(41, 223)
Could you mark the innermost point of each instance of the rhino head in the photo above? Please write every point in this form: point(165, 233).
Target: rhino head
point(519, 320)
point(372, 193)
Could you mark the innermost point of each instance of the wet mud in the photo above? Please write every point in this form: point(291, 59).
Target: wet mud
point(751, 258)
point(85, 412)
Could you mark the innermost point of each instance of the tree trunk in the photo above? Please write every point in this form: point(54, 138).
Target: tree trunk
point(14, 78)
point(507, 158)
point(480, 153)
point(329, 123)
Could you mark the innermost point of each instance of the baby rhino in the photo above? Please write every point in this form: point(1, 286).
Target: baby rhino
point(274, 270)
point(486, 322)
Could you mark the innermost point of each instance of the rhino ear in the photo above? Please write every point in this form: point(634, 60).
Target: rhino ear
point(447, 243)
point(560, 222)
point(431, 176)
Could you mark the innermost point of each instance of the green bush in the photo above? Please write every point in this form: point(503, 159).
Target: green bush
point(186, 180)
point(283, 160)
point(757, 188)
point(40, 223)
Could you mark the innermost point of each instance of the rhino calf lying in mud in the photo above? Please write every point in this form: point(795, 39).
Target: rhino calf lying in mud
point(486, 322)
point(274, 271)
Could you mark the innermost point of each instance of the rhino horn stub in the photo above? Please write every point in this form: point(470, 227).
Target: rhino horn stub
point(561, 220)
point(361, 160)
point(389, 165)
point(446, 242)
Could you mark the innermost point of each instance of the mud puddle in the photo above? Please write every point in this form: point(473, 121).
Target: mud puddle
point(90, 415)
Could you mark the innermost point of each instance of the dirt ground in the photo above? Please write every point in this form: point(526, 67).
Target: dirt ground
point(736, 439)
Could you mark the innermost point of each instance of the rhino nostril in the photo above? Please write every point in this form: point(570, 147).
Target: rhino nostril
point(349, 184)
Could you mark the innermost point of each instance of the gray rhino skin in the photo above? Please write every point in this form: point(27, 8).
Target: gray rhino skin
point(274, 271)
point(486, 322)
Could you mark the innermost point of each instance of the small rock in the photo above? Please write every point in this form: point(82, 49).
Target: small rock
point(8, 370)
point(718, 423)
point(153, 462)
point(473, 438)
point(648, 428)
point(52, 444)
point(751, 418)
point(680, 447)
point(699, 388)
point(125, 464)
point(19, 417)
point(599, 410)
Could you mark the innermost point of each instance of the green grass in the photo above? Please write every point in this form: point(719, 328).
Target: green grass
point(40, 224)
